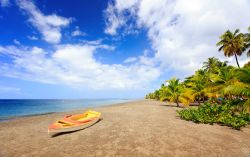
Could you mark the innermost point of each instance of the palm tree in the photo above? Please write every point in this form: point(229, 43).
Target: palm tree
point(232, 44)
point(197, 84)
point(243, 76)
point(162, 93)
point(175, 92)
point(211, 64)
point(222, 64)
point(241, 88)
point(157, 95)
point(225, 78)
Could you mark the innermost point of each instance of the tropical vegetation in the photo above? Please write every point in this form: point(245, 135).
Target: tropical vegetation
point(221, 91)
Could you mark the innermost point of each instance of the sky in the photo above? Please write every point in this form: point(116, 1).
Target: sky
point(109, 48)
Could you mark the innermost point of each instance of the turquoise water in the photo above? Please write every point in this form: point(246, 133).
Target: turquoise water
point(16, 108)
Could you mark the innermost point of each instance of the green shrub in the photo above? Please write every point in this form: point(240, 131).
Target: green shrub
point(209, 113)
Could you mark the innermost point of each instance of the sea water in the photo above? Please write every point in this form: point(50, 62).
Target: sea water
point(15, 108)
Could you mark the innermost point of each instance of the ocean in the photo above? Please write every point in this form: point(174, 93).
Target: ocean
point(11, 108)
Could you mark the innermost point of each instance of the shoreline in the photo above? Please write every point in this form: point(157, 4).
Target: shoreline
point(137, 128)
point(8, 118)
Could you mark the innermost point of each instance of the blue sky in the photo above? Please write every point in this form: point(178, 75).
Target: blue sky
point(108, 49)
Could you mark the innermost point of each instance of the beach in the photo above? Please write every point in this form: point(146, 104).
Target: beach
point(138, 128)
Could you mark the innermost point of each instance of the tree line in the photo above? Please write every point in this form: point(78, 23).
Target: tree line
point(216, 83)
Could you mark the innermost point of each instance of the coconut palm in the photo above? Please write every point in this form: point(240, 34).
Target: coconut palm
point(222, 64)
point(211, 64)
point(241, 88)
point(162, 93)
point(224, 78)
point(175, 92)
point(232, 44)
point(157, 95)
point(244, 75)
point(197, 84)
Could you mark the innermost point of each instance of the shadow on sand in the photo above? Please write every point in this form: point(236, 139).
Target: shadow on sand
point(170, 105)
point(181, 105)
point(69, 132)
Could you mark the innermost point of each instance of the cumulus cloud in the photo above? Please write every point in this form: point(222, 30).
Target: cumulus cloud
point(48, 25)
point(74, 65)
point(143, 60)
point(16, 42)
point(182, 33)
point(32, 37)
point(112, 21)
point(78, 32)
point(116, 17)
point(92, 42)
point(130, 60)
point(4, 3)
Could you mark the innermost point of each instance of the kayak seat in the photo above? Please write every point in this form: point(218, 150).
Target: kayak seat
point(64, 123)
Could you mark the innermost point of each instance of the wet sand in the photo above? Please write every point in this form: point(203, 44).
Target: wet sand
point(139, 128)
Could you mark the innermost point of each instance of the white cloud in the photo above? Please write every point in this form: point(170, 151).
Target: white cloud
point(142, 60)
point(16, 42)
point(49, 26)
point(112, 21)
point(4, 3)
point(115, 18)
point(183, 34)
point(78, 32)
point(32, 37)
point(130, 60)
point(92, 42)
point(74, 65)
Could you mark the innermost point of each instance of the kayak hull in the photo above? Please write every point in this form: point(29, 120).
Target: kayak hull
point(74, 124)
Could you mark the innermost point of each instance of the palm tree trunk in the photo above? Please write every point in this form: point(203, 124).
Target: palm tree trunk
point(236, 60)
point(177, 103)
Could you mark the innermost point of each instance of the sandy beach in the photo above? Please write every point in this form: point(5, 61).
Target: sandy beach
point(139, 128)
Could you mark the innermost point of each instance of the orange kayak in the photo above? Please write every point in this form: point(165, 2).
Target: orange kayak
point(74, 122)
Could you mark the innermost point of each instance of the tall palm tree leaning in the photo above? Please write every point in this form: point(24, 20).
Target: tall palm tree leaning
point(232, 44)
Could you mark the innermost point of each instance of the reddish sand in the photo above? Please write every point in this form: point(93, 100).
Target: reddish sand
point(141, 128)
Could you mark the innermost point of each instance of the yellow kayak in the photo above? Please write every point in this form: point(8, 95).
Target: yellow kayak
point(74, 122)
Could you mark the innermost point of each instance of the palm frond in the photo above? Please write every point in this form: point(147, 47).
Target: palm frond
point(238, 90)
